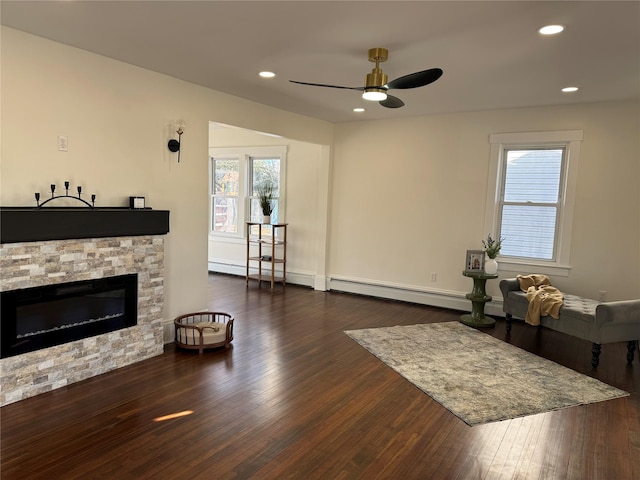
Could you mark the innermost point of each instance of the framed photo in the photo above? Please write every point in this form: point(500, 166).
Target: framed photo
point(475, 261)
point(136, 202)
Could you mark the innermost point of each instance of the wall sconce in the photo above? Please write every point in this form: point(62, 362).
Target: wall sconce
point(174, 145)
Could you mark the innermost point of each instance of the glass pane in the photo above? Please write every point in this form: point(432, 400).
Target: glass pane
point(528, 231)
point(226, 176)
point(533, 175)
point(225, 214)
point(256, 212)
point(265, 170)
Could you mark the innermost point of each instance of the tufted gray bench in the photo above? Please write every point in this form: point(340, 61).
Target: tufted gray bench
point(587, 319)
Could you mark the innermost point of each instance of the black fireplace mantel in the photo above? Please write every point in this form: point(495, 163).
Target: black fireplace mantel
point(28, 224)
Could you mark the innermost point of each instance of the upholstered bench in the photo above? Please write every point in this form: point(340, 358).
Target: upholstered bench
point(202, 330)
point(597, 322)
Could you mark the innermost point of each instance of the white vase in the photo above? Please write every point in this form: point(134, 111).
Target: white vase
point(266, 219)
point(490, 266)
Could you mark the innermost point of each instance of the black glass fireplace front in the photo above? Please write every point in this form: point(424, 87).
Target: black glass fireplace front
point(41, 317)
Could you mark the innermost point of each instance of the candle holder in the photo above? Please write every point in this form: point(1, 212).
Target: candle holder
point(66, 195)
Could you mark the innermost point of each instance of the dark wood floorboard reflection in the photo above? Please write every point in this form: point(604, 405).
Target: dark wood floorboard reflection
point(295, 398)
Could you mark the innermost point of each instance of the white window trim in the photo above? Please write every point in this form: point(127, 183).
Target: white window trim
point(245, 154)
point(571, 139)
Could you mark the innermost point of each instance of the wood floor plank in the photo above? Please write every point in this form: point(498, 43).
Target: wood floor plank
point(296, 398)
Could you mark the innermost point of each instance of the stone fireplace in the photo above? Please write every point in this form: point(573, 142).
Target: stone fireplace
point(29, 264)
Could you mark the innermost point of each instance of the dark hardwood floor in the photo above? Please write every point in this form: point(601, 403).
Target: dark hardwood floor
point(296, 398)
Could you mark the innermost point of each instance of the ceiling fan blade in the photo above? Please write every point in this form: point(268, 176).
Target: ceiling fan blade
point(391, 102)
point(417, 79)
point(329, 86)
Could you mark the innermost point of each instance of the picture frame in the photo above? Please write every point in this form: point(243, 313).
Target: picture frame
point(474, 262)
point(137, 202)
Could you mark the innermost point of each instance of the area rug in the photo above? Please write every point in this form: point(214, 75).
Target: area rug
point(477, 377)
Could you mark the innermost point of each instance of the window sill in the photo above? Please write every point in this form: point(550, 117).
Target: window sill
point(524, 267)
point(226, 237)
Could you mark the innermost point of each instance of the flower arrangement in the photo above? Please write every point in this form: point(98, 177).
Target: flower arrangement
point(492, 247)
point(265, 196)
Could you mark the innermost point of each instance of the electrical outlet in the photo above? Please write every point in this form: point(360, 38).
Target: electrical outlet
point(602, 296)
point(63, 143)
point(434, 277)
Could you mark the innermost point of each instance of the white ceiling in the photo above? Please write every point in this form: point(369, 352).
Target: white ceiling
point(491, 53)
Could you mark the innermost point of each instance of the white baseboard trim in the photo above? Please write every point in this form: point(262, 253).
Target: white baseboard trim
point(408, 293)
point(241, 271)
point(405, 293)
point(229, 268)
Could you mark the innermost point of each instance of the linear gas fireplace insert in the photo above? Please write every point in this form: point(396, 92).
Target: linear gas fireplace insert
point(41, 317)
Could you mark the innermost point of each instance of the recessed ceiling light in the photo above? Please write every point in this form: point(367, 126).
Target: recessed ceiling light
point(358, 109)
point(267, 74)
point(550, 29)
point(570, 89)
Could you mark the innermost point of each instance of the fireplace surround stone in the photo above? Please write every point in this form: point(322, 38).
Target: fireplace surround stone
point(31, 264)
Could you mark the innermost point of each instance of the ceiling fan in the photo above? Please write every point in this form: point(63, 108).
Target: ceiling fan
point(376, 85)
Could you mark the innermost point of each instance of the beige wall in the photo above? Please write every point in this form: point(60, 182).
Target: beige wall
point(409, 197)
point(116, 117)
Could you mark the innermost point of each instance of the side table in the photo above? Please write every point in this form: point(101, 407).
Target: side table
point(478, 297)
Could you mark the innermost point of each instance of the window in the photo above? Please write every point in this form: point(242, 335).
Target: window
point(226, 190)
point(264, 171)
point(236, 174)
point(530, 198)
point(530, 202)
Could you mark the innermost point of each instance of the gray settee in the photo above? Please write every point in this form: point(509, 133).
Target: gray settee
point(597, 322)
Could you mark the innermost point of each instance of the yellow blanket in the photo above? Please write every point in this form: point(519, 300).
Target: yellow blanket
point(543, 298)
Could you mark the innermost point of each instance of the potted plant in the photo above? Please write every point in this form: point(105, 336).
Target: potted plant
point(492, 249)
point(265, 192)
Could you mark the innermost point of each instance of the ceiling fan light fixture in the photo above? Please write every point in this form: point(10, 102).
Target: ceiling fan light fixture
point(374, 94)
point(374, 90)
point(376, 83)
